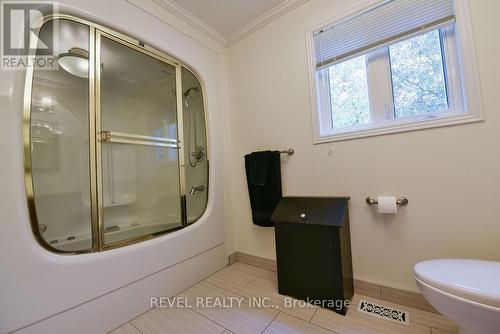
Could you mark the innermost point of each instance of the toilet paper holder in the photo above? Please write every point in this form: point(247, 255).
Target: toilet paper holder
point(400, 201)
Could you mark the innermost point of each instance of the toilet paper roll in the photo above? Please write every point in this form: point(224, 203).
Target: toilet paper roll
point(387, 204)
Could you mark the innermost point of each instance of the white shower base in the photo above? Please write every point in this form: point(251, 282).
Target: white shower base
point(125, 231)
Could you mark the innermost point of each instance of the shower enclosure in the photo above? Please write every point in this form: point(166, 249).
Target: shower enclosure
point(115, 140)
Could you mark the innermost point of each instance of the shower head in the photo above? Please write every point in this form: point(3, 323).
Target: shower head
point(186, 94)
point(188, 91)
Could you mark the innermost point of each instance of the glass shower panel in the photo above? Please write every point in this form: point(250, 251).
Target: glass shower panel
point(60, 143)
point(195, 146)
point(140, 170)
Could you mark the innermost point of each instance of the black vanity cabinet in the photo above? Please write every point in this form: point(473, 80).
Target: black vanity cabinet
point(313, 250)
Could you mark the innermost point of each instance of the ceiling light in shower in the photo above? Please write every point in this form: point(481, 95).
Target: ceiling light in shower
point(75, 61)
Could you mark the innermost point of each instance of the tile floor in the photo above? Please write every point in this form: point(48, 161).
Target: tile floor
point(241, 280)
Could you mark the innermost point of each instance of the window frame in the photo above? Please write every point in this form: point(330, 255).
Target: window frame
point(461, 71)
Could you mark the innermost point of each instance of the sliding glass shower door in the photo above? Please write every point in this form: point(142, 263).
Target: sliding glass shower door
point(115, 140)
point(139, 155)
point(58, 146)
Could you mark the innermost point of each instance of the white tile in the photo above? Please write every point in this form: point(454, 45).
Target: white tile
point(200, 289)
point(244, 282)
point(229, 279)
point(356, 323)
point(174, 321)
point(127, 328)
point(240, 320)
point(258, 272)
point(286, 324)
point(263, 288)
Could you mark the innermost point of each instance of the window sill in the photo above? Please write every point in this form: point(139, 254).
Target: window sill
point(399, 127)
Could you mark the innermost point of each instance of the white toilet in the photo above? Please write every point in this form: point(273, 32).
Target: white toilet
point(465, 291)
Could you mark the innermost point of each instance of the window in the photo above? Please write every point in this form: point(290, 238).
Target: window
point(418, 75)
point(393, 67)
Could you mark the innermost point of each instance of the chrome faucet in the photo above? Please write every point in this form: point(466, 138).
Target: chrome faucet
point(195, 189)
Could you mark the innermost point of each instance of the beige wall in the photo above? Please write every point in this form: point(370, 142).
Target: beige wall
point(450, 175)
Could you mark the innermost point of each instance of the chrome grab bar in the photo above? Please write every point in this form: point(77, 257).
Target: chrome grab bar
point(128, 138)
point(133, 136)
point(139, 142)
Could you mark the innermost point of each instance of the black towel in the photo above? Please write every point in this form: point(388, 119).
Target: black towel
point(264, 184)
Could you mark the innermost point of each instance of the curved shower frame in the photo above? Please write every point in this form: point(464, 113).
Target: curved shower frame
point(95, 31)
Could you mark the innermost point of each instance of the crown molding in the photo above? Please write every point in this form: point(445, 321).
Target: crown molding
point(246, 30)
point(264, 20)
point(188, 17)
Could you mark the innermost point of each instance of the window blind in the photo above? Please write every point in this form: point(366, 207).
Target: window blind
point(378, 26)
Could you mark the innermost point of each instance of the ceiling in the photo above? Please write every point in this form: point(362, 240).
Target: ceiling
point(227, 16)
point(227, 21)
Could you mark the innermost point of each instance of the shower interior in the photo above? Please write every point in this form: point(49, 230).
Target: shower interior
point(196, 152)
point(140, 191)
point(195, 135)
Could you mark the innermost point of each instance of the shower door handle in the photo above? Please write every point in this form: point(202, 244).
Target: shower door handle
point(127, 138)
